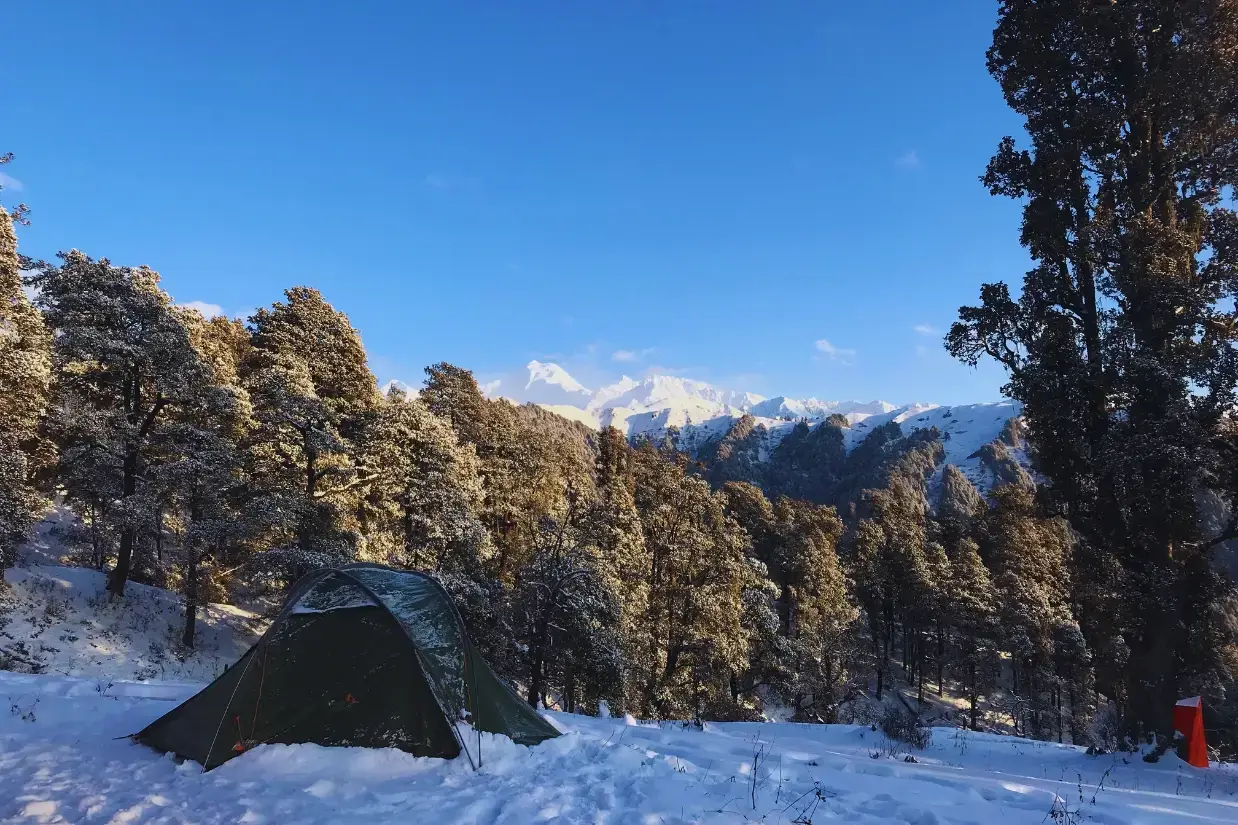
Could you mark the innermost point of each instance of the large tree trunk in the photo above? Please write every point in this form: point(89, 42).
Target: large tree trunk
point(1151, 683)
point(124, 554)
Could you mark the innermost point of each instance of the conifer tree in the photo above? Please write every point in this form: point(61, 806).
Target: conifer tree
point(697, 577)
point(425, 488)
point(975, 635)
point(123, 361)
point(25, 370)
point(568, 621)
point(1120, 345)
point(200, 473)
point(313, 397)
point(1030, 560)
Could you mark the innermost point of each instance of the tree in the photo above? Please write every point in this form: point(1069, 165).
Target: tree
point(313, 397)
point(200, 476)
point(25, 370)
point(123, 360)
point(568, 621)
point(613, 526)
point(975, 634)
point(1120, 346)
point(1030, 559)
point(697, 575)
point(425, 488)
point(795, 542)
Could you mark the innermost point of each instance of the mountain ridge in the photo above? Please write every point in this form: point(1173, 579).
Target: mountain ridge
point(695, 413)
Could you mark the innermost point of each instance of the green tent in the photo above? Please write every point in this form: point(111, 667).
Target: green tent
point(359, 655)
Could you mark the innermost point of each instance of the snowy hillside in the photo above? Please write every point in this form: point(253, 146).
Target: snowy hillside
point(702, 412)
point(64, 758)
point(59, 620)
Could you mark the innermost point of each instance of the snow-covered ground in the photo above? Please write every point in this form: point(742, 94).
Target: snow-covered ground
point(61, 761)
point(59, 620)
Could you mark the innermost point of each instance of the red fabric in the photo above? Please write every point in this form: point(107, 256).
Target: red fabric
point(1189, 721)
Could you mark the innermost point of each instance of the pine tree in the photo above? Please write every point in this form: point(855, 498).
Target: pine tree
point(123, 361)
point(199, 474)
point(313, 397)
point(425, 488)
point(613, 528)
point(25, 369)
point(1030, 560)
point(1120, 346)
point(568, 621)
point(974, 632)
point(697, 575)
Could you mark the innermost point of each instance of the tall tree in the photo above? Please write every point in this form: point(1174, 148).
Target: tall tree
point(425, 488)
point(1120, 345)
point(200, 475)
point(313, 397)
point(123, 361)
point(697, 573)
point(25, 370)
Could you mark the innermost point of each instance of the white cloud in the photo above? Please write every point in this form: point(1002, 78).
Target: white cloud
point(834, 353)
point(208, 310)
point(628, 356)
point(10, 182)
point(926, 329)
point(909, 160)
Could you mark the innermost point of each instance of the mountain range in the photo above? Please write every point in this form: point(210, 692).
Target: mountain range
point(697, 413)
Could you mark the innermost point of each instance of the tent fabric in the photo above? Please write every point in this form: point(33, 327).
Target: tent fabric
point(359, 655)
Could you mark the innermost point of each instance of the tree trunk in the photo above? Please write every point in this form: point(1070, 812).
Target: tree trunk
point(975, 697)
point(941, 653)
point(1151, 684)
point(537, 665)
point(569, 690)
point(878, 647)
point(920, 669)
point(191, 600)
point(124, 554)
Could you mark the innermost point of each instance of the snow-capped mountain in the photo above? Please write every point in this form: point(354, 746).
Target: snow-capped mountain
point(702, 412)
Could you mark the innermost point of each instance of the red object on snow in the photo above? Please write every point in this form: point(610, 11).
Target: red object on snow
point(1189, 721)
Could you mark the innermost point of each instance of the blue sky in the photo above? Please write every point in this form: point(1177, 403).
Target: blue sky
point(780, 197)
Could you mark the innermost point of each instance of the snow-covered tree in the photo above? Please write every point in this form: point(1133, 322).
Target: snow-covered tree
point(424, 488)
point(313, 397)
point(25, 370)
point(123, 361)
point(568, 622)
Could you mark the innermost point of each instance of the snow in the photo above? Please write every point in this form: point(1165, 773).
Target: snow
point(702, 412)
point(59, 620)
point(65, 755)
point(61, 761)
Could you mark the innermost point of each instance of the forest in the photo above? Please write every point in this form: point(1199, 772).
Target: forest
point(223, 458)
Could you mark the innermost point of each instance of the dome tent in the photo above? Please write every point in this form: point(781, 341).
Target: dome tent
point(359, 655)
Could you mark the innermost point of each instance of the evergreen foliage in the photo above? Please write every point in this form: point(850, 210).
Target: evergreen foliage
point(1121, 343)
point(25, 370)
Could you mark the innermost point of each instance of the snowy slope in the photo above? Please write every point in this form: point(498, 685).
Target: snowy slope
point(59, 620)
point(702, 412)
point(61, 761)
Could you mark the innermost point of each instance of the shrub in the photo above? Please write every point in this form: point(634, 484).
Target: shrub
point(903, 726)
